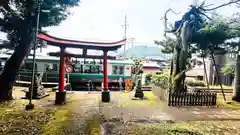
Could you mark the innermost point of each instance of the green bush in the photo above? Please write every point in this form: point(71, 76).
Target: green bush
point(195, 83)
point(161, 80)
point(148, 78)
point(228, 69)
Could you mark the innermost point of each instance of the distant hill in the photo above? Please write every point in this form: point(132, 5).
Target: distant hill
point(144, 51)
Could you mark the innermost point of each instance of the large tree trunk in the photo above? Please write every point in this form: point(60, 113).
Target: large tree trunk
point(236, 92)
point(181, 52)
point(13, 64)
point(171, 73)
point(176, 82)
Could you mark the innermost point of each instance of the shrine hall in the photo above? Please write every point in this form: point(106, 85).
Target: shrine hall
point(84, 45)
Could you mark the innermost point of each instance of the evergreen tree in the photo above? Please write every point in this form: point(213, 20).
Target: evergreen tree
point(18, 19)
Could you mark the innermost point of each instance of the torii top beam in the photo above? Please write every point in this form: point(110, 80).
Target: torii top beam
point(59, 42)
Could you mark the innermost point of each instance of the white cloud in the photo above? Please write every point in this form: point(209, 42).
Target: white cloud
point(101, 20)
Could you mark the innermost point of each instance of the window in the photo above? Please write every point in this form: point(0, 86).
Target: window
point(114, 69)
point(51, 67)
point(87, 68)
point(95, 69)
point(121, 70)
point(77, 68)
point(55, 67)
point(117, 70)
point(28, 66)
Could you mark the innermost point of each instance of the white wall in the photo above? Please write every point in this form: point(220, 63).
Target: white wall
point(127, 70)
point(41, 66)
point(109, 69)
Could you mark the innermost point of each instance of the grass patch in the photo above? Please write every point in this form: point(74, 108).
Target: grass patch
point(230, 104)
point(151, 100)
point(184, 128)
point(46, 118)
point(57, 123)
point(23, 122)
point(93, 126)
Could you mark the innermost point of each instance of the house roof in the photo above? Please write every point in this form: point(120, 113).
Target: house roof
point(151, 64)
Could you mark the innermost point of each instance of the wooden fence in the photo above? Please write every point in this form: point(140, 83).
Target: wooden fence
point(215, 90)
point(203, 98)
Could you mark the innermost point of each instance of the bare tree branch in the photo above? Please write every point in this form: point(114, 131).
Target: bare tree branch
point(206, 16)
point(165, 14)
point(165, 19)
point(208, 5)
point(225, 4)
point(203, 3)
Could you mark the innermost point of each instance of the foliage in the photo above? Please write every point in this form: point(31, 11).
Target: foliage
point(18, 19)
point(212, 36)
point(161, 80)
point(228, 69)
point(195, 83)
point(168, 45)
point(17, 15)
point(148, 78)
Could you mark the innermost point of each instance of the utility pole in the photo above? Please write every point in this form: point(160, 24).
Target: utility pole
point(132, 41)
point(30, 106)
point(125, 25)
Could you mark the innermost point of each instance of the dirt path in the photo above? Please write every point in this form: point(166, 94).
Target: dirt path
point(91, 116)
point(84, 118)
point(87, 115)
point(123, 107)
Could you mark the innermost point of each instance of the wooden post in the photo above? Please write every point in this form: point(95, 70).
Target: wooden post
point(61, 93)
point(105, 72)
point(105, 92)
point(61, 71)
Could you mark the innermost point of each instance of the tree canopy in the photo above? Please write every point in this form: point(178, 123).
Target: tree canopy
point(213, 36)
point(19, 14)
point(18, 18)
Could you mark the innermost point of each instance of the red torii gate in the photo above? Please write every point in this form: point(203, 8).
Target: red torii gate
point(64, 43)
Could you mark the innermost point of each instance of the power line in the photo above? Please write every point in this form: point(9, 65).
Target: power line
point(125, 25)
point(131, 40)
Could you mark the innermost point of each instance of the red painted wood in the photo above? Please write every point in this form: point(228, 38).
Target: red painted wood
point(105, 72)
point(57, 54)
point(61, 71)
point(79, 43)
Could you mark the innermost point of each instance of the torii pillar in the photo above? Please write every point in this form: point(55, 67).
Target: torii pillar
point(61, 93)
point(105, 91)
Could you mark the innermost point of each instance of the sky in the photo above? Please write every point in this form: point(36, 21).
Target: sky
point(102, 20)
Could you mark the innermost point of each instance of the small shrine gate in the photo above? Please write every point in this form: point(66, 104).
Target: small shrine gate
point(66, 43)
